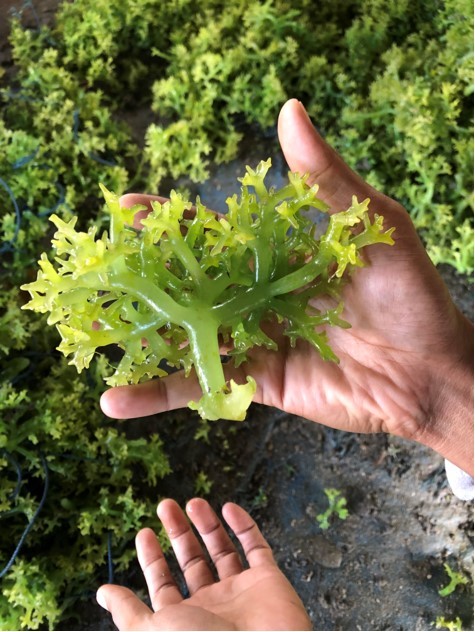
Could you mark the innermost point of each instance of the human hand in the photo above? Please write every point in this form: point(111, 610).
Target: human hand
point(257, 598)
point(406, 363)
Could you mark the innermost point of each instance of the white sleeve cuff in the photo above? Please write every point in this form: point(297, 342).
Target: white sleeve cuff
point(460, 482)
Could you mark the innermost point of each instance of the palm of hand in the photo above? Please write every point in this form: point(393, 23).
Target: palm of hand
point(259, 598)
point(256, 599)
point(397, 308)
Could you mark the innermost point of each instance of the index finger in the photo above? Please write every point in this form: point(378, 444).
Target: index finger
point(161, 586)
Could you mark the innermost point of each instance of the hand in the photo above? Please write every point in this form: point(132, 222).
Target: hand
point(406, 364)
point(258, 598)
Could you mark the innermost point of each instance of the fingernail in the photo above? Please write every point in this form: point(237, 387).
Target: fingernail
point(101, 600)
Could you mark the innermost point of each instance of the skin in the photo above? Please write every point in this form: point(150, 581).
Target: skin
point(406, 364)
point(255, 598)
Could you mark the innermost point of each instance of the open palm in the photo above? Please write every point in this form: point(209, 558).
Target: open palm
point(406, 334)
point(256, 598)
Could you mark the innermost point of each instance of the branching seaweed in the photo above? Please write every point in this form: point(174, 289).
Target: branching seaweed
point(167, 292)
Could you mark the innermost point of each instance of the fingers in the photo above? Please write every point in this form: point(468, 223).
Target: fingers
point(220, 548)
point(149, 398)
point(188, 551)
point(307, 152)
point(131, 199)
point(222, 551)
point(128, 612)
point(255, 546)
point(159, 395)
point(161, 586)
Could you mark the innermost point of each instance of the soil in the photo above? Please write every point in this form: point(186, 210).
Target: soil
point(382, 567)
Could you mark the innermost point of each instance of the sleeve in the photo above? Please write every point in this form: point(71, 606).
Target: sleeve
point(460, 482)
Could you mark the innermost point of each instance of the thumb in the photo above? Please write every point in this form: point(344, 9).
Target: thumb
point(306, 152)
point(128, 612)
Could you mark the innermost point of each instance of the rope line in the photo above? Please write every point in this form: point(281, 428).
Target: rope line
point(25, 160)
point(110, 563)
point(14, 494)
point(29, 526)
point(11, 459)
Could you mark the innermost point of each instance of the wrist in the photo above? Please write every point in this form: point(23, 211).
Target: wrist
point(447, 425)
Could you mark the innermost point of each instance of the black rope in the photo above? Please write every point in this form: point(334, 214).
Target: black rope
point(91, 154)
point(11, 459)
point(25, 160)
point(29, 526)
point(102, 161)
point(14, 494)
point(17, 94)
point(8, 246)
point(27, 4)
point(61, 200)
point(76, 124)
point(110, 563)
